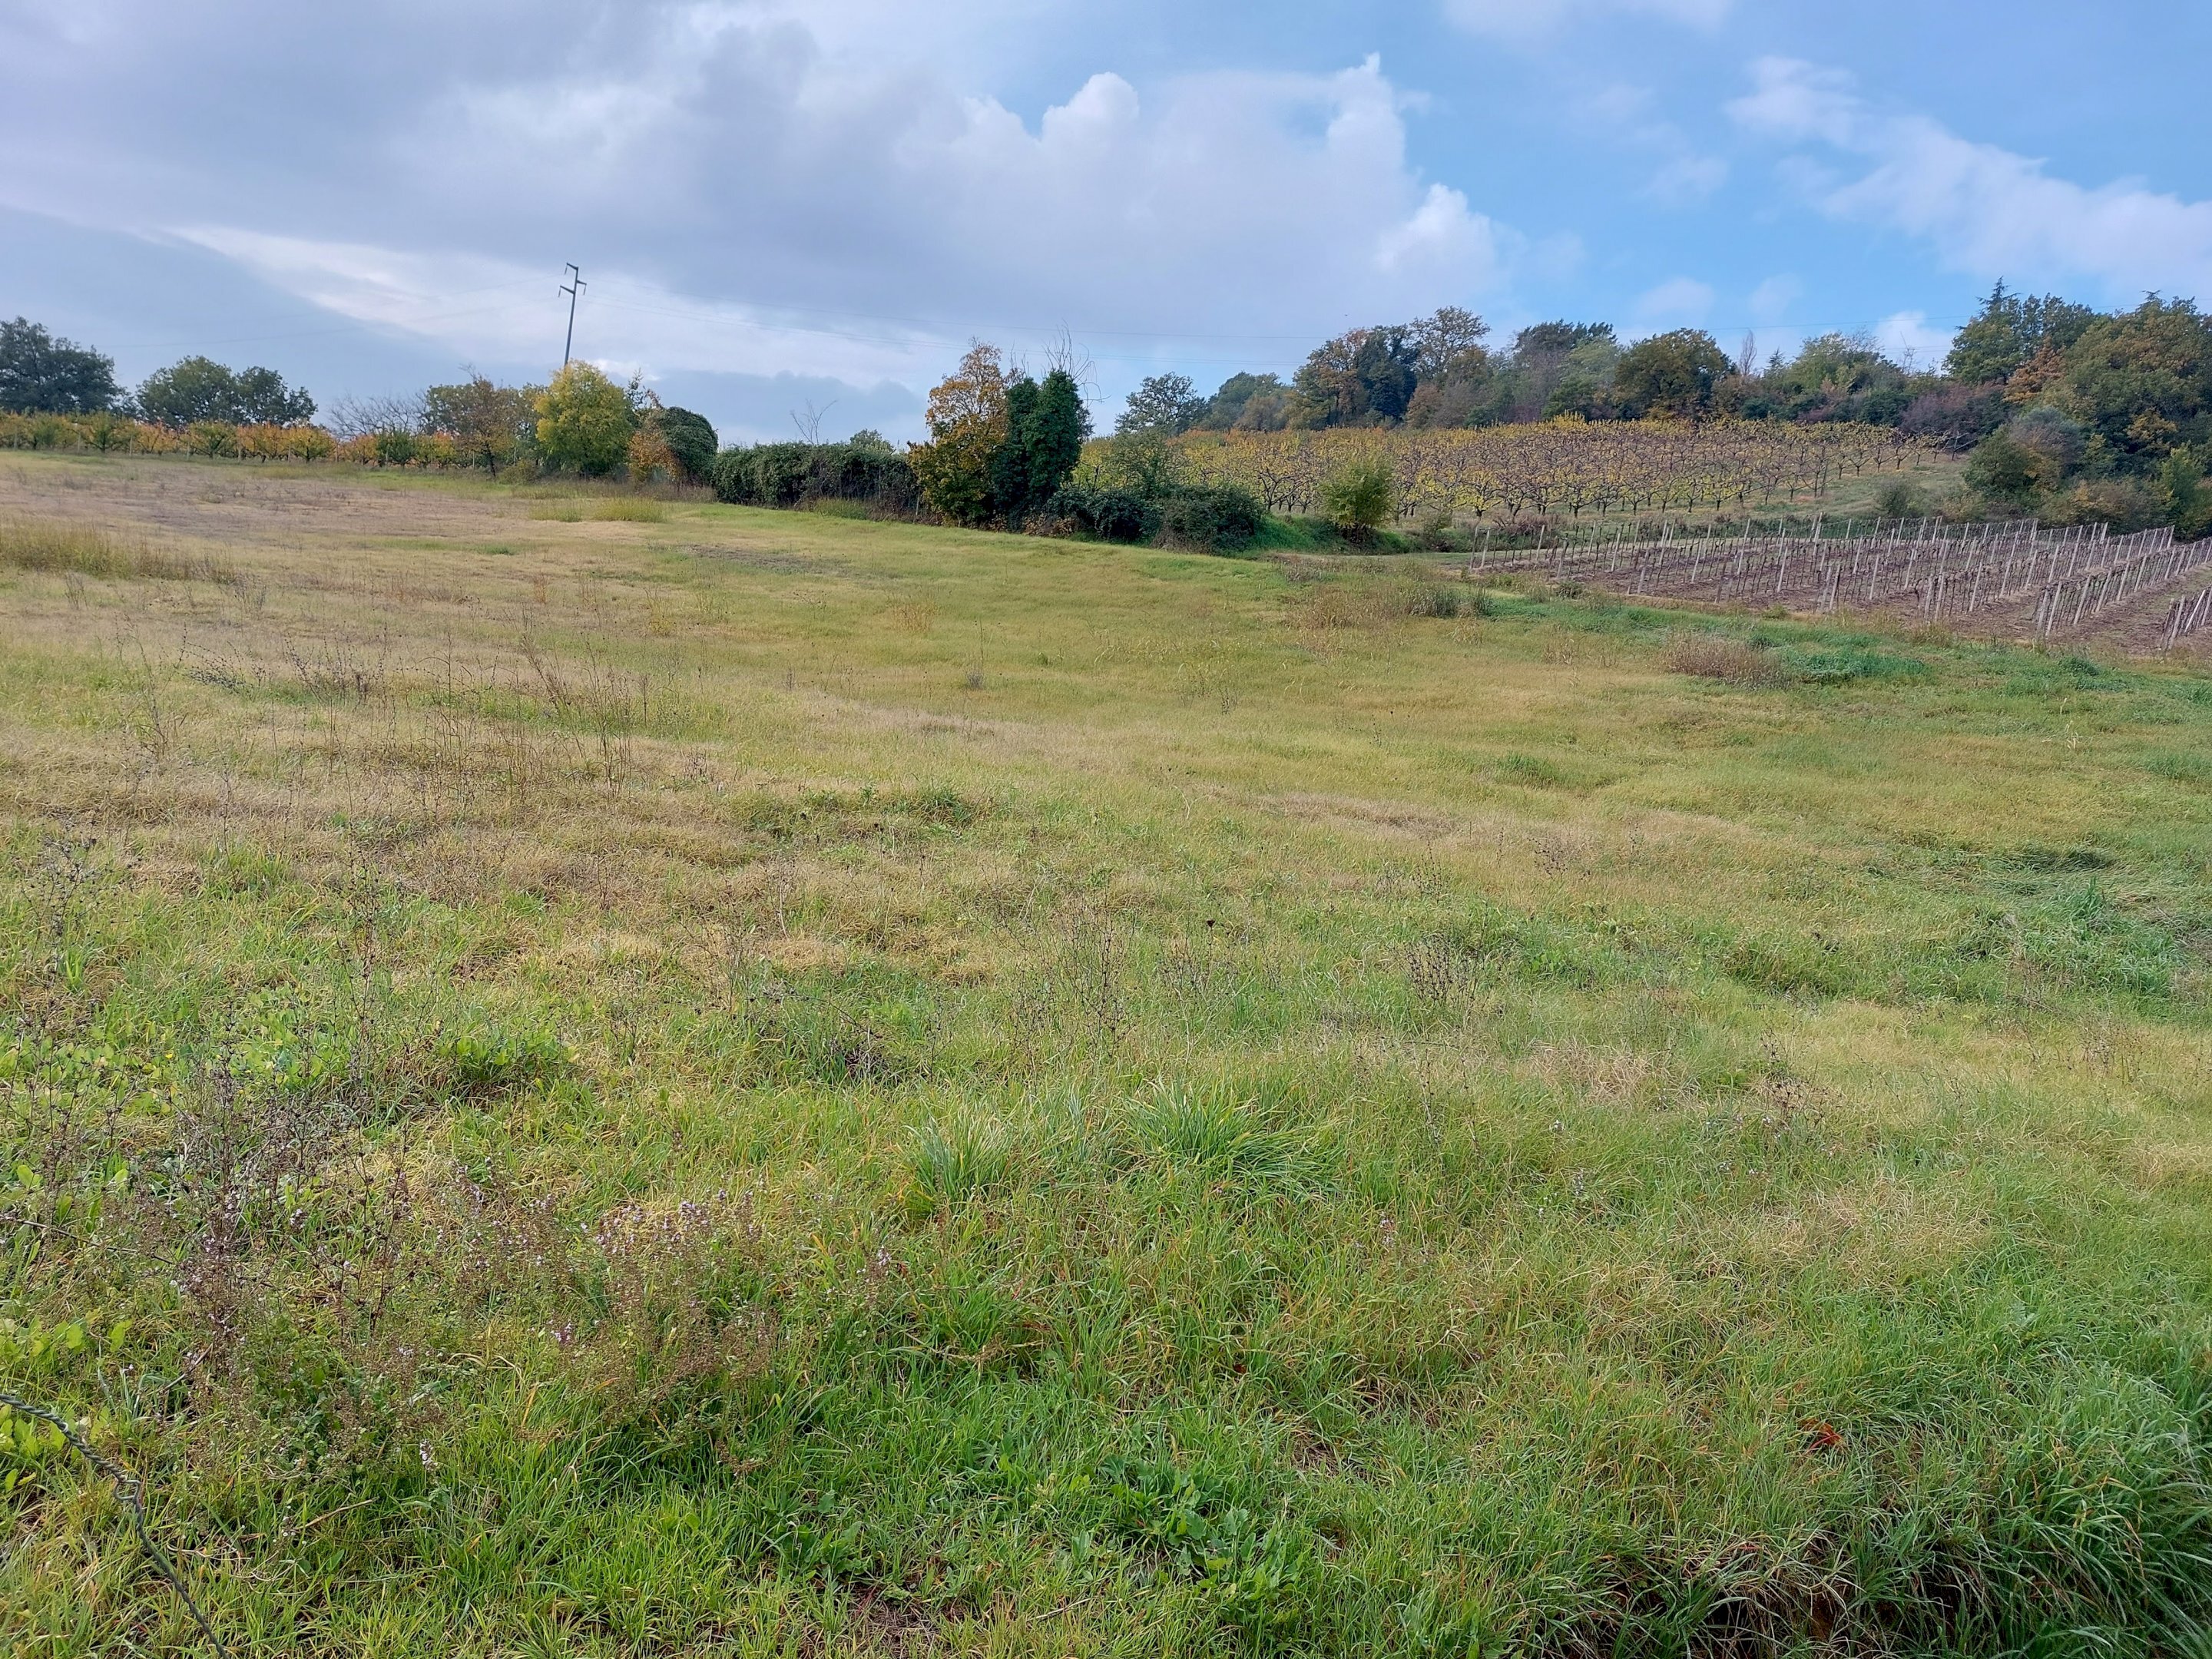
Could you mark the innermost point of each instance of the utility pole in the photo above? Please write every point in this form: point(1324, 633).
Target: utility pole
point(572, 288)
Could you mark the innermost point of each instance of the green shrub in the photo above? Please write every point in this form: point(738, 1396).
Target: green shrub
point(731, 477)
point(1112, 515)
point(1899, 500)
point(1216, 518)
point(1361, 497)
point(2007, 471)
point(393, 447)
point(874, 473)
point(690, 440)
point(793, 474)
point(781, 472)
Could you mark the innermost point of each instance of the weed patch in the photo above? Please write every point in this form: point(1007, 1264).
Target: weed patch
point(1716, 657)
point(51, 546)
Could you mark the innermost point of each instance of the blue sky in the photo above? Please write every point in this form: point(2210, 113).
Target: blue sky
point(787, 207)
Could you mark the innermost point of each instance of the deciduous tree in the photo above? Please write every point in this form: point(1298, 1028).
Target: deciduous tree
point(967, 416)
point(2009, 329)
point(199, 389)
point(1168, 404)
point(584, 422)
point(1670, 374)
point(1362, 376)
point(490, 425)
point(2141, 382)
point(1227, 408)
point(40, 374)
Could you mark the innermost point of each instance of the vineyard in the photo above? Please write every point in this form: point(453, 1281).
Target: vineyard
point(107, 434)
point(1560, 467)
point(2009, 580)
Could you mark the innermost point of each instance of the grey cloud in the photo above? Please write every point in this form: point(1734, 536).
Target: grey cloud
point(752, 154)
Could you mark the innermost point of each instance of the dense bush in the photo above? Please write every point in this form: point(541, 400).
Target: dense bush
point(779, 473)
point(690, 438)
point(865, 469)
point(1361, 496)
point(1217, 518)
point(1212, 518)
point(1112, 515)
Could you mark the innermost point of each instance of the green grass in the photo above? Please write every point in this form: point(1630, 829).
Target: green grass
point(752, 1083)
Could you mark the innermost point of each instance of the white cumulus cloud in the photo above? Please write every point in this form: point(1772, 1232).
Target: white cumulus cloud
point(1985, 209)
point(1679, 303)
point(750, 184)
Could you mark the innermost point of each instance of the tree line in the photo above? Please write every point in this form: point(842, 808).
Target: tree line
point(40, 374)
point(581, 422)
point(56, 392)
point(2062, 410)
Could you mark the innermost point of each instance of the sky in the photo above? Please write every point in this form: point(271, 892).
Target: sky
point(792, 215)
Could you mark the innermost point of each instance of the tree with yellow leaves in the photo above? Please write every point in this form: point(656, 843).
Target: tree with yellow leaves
point(584, 422)
point(967, 419)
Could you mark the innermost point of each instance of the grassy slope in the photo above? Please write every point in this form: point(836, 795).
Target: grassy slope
point(759, 1081)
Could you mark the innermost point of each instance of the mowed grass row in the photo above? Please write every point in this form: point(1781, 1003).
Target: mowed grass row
point(748, 1083)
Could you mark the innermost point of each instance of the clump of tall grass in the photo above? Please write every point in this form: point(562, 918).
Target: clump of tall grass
point(947, 1162)
point(1435, 600)
point(631, 509)
point(1716, 657)
point(1223, 1139)
point(53, 546)
point(1368, 602)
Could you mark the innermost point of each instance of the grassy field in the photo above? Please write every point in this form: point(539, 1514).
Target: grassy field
point(597, 1077)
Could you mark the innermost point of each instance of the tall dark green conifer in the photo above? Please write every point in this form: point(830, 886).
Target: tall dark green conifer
point(1045, 427)
point(1010, 490)
point(1055, 436)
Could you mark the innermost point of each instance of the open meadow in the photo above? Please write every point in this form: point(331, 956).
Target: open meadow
point(590, 1074)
